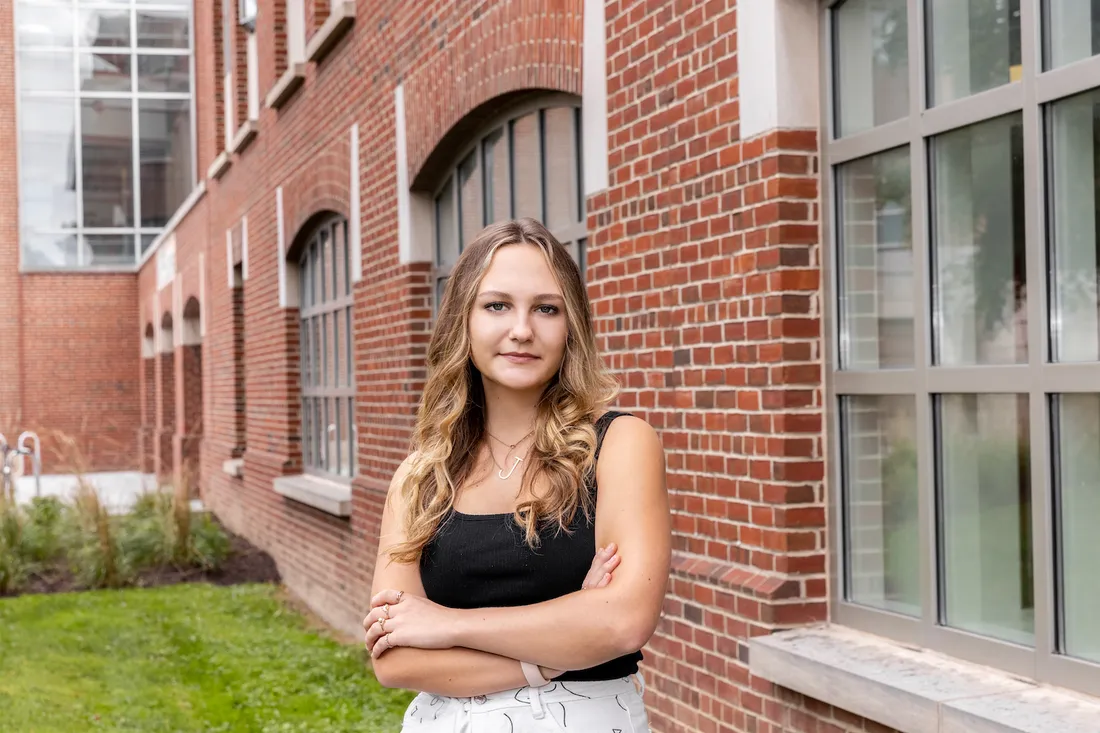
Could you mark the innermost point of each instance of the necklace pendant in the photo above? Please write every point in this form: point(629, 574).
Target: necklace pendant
point(505, 476)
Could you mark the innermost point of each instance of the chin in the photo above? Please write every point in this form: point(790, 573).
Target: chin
point(520, 382)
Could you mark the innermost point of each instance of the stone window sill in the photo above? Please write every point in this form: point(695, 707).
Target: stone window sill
point(234, 467)
point(246, 133)
point(914, 691)
point(339, 21)
point(220, 165)
point(289, 83)
point(329, 496)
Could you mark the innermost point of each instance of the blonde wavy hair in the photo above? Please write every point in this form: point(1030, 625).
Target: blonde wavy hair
point(451, 420)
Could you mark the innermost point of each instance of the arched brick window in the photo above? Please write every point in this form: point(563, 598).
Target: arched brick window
point(526, 162)
point(327, 373)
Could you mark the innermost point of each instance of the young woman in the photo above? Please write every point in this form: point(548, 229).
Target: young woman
point(490, 596)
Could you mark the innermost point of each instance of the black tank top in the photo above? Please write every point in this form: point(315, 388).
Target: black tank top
point(482, 560)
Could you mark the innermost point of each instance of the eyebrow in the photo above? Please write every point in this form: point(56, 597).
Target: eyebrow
point(505, 296)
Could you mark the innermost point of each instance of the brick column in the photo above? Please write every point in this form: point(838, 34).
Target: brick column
point(166, 418)
point(147, 437)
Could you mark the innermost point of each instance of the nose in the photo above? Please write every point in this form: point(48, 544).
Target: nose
point(521, 328)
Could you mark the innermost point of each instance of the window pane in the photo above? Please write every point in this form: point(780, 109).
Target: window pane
point(49, 250)
point(328, 435)
point(471, 206)
point(162, 29)
point(165, 128)
point(1078, 469)
point(107, 151)
point(498, 190)
point(164, 73)
point(975, 46)
point(46, 71)
point(876, 262)
point(349, 354)
point(440, 288)
point(318, 350)
point(561, 168)
point(985, 515)
point(871, 44)
point(978, 226)
point(339, 260)
point(109, 249)
point(581, 256)
point(881, 503)
point(44, 25)
point(354, 440)
point(1075, 224)
point(446, 238)
point(307, 353)
point(318, 436)
point(104, 27)
point(105, 72)
point(47, 163)
point(307, 432)
point(1072, 31)
point(147, 241)
point(339, 436)
point(527, 165)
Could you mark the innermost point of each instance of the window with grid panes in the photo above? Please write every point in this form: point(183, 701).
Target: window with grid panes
point(526, 164)
point(106, 147)
point(329, 434)
point(962, 162)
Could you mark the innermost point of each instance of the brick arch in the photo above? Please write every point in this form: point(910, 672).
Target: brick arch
point(303, 234)
point(505, 55)
point(321, 187)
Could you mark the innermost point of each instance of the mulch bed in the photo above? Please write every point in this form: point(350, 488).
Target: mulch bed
point(246, 564)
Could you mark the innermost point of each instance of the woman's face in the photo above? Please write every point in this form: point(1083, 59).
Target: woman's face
point(518, 326)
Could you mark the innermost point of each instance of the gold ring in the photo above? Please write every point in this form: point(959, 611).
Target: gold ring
point(399, 594)
point(386, 610)
point(382, 624)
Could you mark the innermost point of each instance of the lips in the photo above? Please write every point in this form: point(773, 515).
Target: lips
point(519, 357)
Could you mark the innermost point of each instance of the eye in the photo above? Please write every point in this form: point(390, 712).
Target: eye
point(550, 310)
point(495, 307)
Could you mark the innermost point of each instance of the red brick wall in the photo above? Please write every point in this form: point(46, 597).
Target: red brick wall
point(10, 282)
point(704, 266)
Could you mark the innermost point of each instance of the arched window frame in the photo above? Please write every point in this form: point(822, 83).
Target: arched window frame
point(327, 374)
point(479, 156)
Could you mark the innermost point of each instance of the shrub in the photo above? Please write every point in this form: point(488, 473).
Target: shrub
point(92, 539)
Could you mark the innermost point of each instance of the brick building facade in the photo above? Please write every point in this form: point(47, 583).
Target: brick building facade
point(282, 315)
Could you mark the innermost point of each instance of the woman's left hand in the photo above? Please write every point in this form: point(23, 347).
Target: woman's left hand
point(411, 621)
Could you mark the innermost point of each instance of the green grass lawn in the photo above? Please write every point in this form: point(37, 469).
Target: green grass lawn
point(181, 658)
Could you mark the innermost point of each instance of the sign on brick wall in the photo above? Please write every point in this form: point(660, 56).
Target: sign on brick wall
point(166, 262)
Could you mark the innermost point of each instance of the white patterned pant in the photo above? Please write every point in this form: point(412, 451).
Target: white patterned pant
point(612, 706)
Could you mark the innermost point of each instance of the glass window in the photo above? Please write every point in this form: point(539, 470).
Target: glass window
point(165, 143)
point(974, 46)
point(79, 113)
point(1072, 31)
point(527, 166)
point(107, 148)
point(872, 63)
point(1077, 450)
point(880, 470)
point(979, 244)
point(1075, 225)
point(985, 513)
point(328, 383)
point(504, 174)
point(964, 329)
point(876, 261)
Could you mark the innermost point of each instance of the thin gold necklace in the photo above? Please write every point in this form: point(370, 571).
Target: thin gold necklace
point(510, 445)
point(517, 459)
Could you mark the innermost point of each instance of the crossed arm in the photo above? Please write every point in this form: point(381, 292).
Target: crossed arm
point(469, 652)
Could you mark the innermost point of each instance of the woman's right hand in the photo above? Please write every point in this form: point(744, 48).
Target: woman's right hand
point(603, 566)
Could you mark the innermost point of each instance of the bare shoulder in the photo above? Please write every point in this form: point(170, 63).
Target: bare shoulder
point(630, 446)
point(628, 433)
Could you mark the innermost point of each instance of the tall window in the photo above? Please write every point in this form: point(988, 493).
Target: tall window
point(329, 435)
point(105, 127)
point(965, 360)
point(528, 163)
